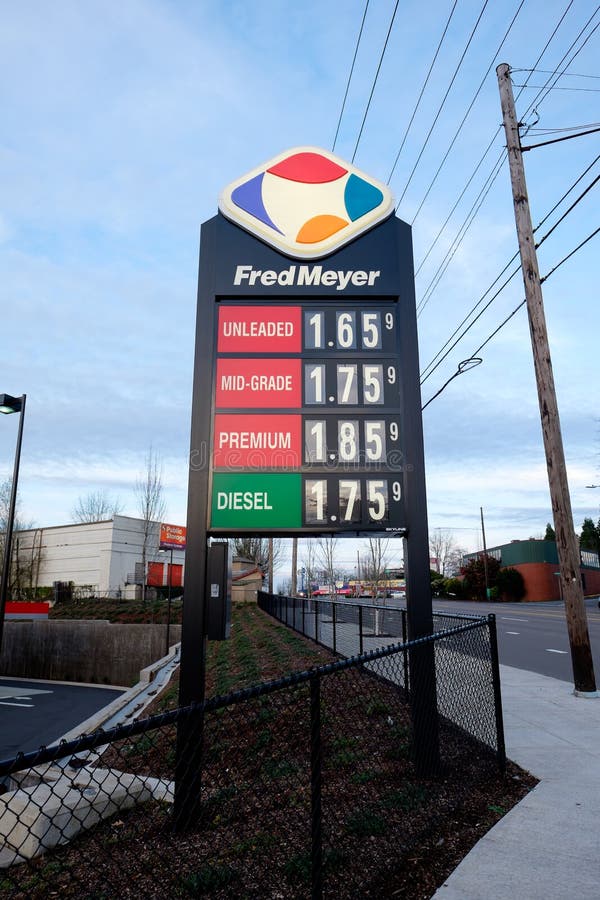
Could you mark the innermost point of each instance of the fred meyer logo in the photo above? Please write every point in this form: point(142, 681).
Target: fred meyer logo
point(307, 276)
point(306, 202)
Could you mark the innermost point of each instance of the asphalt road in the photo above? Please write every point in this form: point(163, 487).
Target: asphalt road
point(534, 636)
point(37, 713)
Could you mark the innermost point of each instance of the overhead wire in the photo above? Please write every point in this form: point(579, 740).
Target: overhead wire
point(537, 101)
point(572, 45)
point(358, 40)
point(420, 97)
point(567, 137)
point(497, 132)
point(391, 25)
point(550, 72)
point(458, 239)
point(469, 108)
point(491, 336)
point(443, 103)
point(430, 367)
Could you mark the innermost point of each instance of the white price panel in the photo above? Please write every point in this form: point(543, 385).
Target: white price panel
point(353, 502)
point(336, 383)
point(361, 440)
point(350, 329)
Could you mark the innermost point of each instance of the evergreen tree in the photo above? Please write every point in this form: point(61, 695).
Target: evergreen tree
point(590, 535)
point(550, 534)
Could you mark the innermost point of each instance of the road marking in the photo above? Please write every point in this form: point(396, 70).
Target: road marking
point(10, 691)
point(5, 703)
point(512, 619)
point(513, 632)
point(549, 650)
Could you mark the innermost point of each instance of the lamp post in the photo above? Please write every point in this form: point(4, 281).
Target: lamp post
point(169, 578)
point(9, 405)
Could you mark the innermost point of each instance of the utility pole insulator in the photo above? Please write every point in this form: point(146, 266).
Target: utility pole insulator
point(566, 540)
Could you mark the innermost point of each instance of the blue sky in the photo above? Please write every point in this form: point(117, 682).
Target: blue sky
point(122, 123)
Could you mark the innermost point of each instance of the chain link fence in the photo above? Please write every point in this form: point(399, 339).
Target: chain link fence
point(306, 786)
point(466, 654)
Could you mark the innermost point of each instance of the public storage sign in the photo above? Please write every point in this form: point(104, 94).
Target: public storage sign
point(172, 537)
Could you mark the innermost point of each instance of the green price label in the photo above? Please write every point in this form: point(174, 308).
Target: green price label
point(258, 501)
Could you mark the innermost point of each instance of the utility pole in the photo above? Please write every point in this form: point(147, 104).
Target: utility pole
point(271, 588)
point(566, 540)
point(485, 564)
point(294, 566)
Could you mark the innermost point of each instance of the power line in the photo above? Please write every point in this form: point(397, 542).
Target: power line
point(549, 72)
point(568, 137)
point(566, 194)
point(533, 130)
point(569, 255)
point(477, 317)
point(375, 79)
point(362, 25)
point(535, 87)
point(471, 215)
point(569, 210)
point(498, 130)
point(466, 115)
point(430, 368)
point(414, 112)
point(442, 104)
point(555, 30)
point(476, 352)
point(540, 99)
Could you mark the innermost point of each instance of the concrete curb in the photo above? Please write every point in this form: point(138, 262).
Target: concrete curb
point(127, 707)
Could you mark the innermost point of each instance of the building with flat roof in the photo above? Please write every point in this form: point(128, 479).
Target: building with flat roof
point(537, 561)
point(102, 558)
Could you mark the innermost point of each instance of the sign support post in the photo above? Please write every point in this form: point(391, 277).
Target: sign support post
point(306, 414)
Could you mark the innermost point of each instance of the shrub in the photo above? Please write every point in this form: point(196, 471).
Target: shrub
point(454, 587)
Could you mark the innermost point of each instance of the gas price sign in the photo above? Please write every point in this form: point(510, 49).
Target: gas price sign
point(306, 431)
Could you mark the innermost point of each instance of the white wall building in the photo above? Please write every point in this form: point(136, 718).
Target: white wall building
point(98, 555)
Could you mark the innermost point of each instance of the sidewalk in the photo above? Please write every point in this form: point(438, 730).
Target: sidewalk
point(548, 846)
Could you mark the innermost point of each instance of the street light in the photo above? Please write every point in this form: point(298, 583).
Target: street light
point(9, 405)
point(169, 577)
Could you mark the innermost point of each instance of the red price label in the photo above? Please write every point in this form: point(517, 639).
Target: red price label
point(258, 384)
point(259, 329)
point(257, 442)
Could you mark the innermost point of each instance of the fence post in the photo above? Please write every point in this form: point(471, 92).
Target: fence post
point(315, 789)
point(501, 748)
point(316, 602)
point(303, 615)
point(333, 621)
point(405, 651)
point(360, 629)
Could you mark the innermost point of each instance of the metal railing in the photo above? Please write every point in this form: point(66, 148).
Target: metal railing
point(307, 787)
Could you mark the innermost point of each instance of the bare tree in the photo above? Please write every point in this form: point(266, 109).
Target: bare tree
point(26, 549)
point(151, 506)
point(97, 506)
point(377, 554)
point(263, 552)
point(326, 554)
point(445, 551)
point(308, 562)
